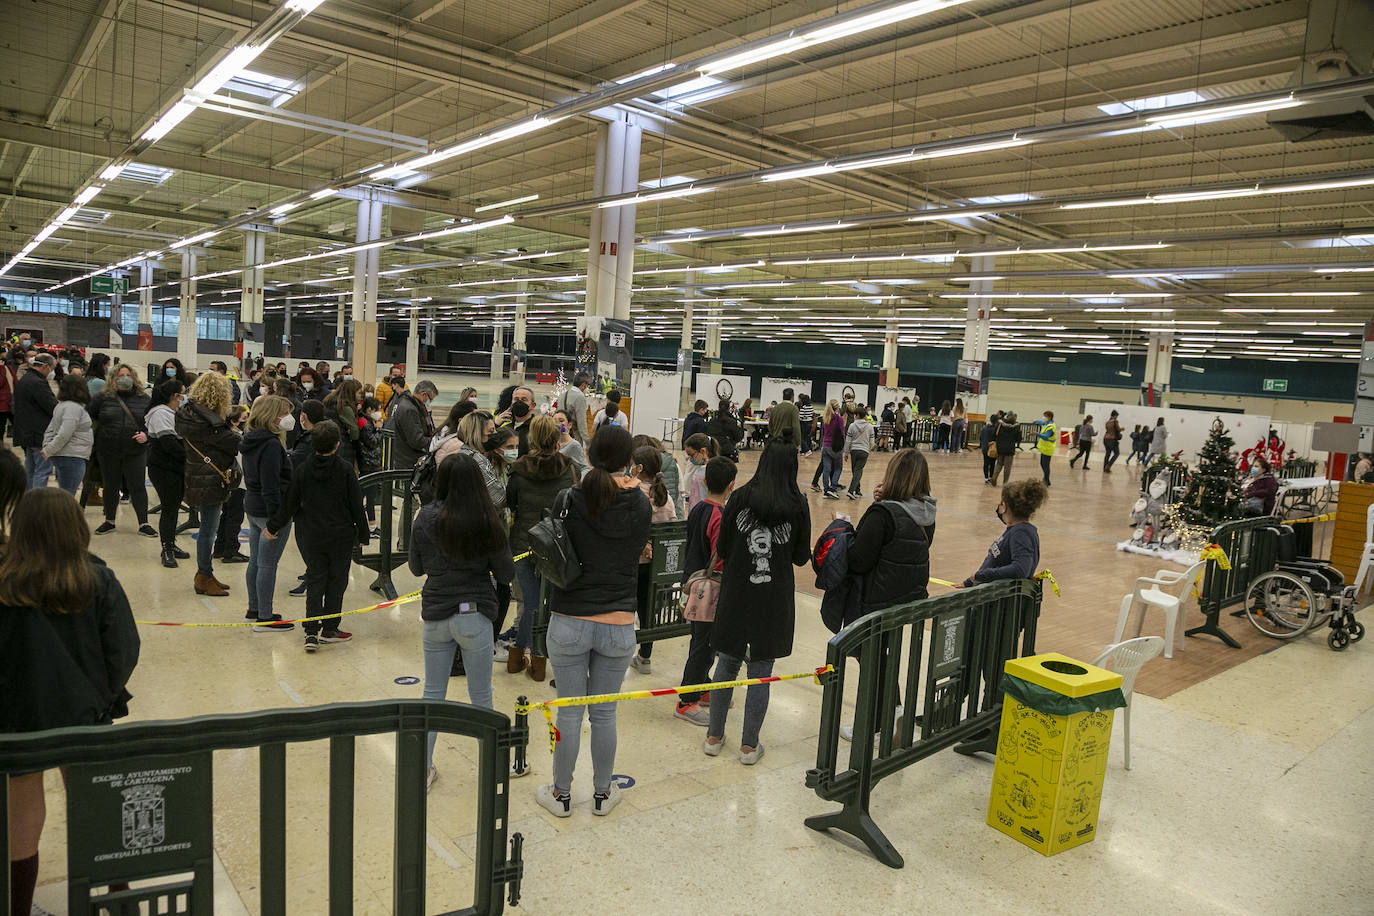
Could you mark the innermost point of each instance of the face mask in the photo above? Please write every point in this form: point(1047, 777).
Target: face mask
point(376, 415)
point(519, 410)
point(308, 386)
point(492, 443)
point(1255, 471)
point(65, 364)
point(170, 372)
point(124, 383)
point(562, 427)
point(510, 454)
point(1000, 518)
point(698, 461)
point(287, 423)
point(473, 399)
point(348, 378)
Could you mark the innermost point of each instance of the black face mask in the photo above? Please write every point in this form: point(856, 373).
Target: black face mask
point(1000, 518)
point(493, 443)
point(519, 410)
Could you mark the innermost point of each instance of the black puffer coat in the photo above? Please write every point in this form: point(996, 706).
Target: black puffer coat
point(115, 429)
point(211, 447)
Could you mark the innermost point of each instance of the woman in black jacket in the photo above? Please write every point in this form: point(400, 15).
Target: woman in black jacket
point(1007, 438)
point(726, 430)
point(765, 532)
point(458, 543)
point(121, 446)
point(68, 645)
point(167, 466)
point(211, 470)
point(266, 477)
point(592, 628)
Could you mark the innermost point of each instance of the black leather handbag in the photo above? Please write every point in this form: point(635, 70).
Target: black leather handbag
point(553, 550)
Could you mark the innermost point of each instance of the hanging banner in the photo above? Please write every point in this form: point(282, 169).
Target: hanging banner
point(605, 347)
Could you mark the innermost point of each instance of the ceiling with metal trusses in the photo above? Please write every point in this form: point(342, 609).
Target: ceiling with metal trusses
point(1107, 167)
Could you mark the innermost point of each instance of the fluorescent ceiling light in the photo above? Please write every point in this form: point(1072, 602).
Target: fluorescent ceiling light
point(194, 239)
point(304, 7)
point(788, 230)
point(144, 174)
point(1151, 102)
point(322, 193)
point(657, 195)
point(279, 209)
point(163, 125)
point(506, 203)
point(87, 195)
point(643, 73)
point(801, 38)
point(475, 143)
point(111, 171)
point(1222, 112)
point(1002, 199)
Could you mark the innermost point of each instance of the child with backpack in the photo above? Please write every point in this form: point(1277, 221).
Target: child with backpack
point(703, 536)
point(327, 504)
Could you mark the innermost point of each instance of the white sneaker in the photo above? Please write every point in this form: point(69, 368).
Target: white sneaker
point(712, 750)
point(555, 804)
point(602, 804)
point(846, 733)
point(752, 757)
point(694, 713)
point(642, 665)
point(431, 778)
point(517, 773)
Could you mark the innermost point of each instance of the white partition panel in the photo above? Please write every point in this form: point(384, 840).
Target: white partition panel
point(1188, 428)
point(654, 395)
point(863, 394)
point(771, 389)
point(711, 388)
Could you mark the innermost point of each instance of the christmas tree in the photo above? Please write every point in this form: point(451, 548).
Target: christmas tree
point(1213, 493)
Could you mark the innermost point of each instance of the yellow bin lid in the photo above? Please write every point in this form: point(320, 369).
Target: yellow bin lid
point(1063, 675)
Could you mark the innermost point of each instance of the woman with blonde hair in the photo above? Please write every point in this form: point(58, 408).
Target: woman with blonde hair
point(832, 450)
point(211, 472)
point(266, 477)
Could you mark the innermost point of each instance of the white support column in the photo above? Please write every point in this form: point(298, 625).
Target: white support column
point(186, 314)
point(251, 299)
point(978, 326)
point(625, 253)
point(1159, 365)
point(286, 330)
point(710, 361)
point(684, 352)
point(145, 296)
point(412, 348)
point(518, 343)
point(595, 229)
point(366, 265)
point(341, 329)
point(890, 371)
point(607, 265)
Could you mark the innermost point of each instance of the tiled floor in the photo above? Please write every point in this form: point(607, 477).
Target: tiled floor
point(1250, 791)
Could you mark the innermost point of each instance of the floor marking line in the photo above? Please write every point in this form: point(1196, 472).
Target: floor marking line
point(291, 693)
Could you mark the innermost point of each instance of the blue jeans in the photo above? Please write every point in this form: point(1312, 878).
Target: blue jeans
point(832, 463)
point(470, 634)
point(205, 538)
point(755, 701)
point(527, 574)
point(261, 574)
point(70, 471)
point(36, 467)
point(956, 439)
point(588, 659)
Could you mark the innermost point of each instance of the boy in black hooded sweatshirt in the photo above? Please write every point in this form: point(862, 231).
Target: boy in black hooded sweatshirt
point(327, 504)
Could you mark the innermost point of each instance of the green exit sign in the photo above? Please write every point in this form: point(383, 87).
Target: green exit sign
point(1276, 384)
point(110, 285)
point(865, 364)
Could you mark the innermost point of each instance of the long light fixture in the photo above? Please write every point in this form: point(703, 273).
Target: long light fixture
point(862, 20)
point(519, 128)
point(1220, 113)
point(505, 203)
point(1255, 190)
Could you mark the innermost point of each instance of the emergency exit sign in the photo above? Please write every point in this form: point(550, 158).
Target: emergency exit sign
point(110, 285)
point(865, 364)
point(1276, 384)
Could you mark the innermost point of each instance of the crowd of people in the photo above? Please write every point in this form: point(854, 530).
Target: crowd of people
point(285, 452)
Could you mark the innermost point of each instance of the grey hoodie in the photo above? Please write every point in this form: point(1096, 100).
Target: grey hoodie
point(859, 436)
point(69, 432)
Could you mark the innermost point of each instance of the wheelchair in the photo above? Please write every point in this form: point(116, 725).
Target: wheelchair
point(1301, 593)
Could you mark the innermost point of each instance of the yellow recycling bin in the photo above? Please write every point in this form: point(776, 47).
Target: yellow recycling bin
point(1052, 750)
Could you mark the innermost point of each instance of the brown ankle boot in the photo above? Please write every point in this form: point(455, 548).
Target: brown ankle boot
point(538, 668)
point(206, 585)
point(515, 661)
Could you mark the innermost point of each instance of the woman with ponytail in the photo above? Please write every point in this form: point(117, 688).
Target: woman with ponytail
point(700, 449)
point(592, 627)
point(648, 470)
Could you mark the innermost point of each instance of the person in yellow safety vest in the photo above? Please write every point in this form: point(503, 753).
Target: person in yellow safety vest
point(385, 390)
point(1045, 441)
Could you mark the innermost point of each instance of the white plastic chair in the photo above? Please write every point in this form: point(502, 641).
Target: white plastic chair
point(1367, 556)
point(1149, 592)
point(1126, 659)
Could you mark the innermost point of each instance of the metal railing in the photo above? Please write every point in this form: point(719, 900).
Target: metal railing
point(140, 803)
point(1251, 548)
point(396, 506)
point(669, 540)
point(1178, 480)
point(949, 693)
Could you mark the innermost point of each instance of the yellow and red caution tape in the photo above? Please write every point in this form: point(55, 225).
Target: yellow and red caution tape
point(395, 602)
point(1044, 575)
point(1307, 521)
point(1210, 552)
point(547, 706)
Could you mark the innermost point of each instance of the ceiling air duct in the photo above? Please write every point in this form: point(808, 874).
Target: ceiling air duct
point(1340, 43)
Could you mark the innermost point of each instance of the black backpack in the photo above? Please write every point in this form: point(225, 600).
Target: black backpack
point(554, 554)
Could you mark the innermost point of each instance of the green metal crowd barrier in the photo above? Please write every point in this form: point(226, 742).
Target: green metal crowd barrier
point(397, 506)
point(1251, 547)
point(949, 693)
point(140, 804)
point(669, 540)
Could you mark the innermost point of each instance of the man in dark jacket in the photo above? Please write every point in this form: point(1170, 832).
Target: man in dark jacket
point(783, 420)
point(408, 418)
point(695, 422)
point(33, 405)
point(327, 504)
point(312, 412)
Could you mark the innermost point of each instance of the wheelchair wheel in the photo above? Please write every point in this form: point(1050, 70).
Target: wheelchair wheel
point(1338, 640)
point(1280, 605)
point(1356, 630)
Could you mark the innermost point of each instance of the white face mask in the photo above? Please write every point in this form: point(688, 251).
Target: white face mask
point(308, 386)
point(348, 378)
point(287, 423)
point(376, 415)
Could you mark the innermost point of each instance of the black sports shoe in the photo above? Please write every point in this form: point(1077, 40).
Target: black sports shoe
point(168, 560)
point(105, 528)
point(272, 624)
point(298, 590)
point(148, 531)
point(311, 643)
point(179, 553)
point(234, 557)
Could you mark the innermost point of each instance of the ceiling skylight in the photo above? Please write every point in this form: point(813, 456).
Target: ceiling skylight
point(1152, 102)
